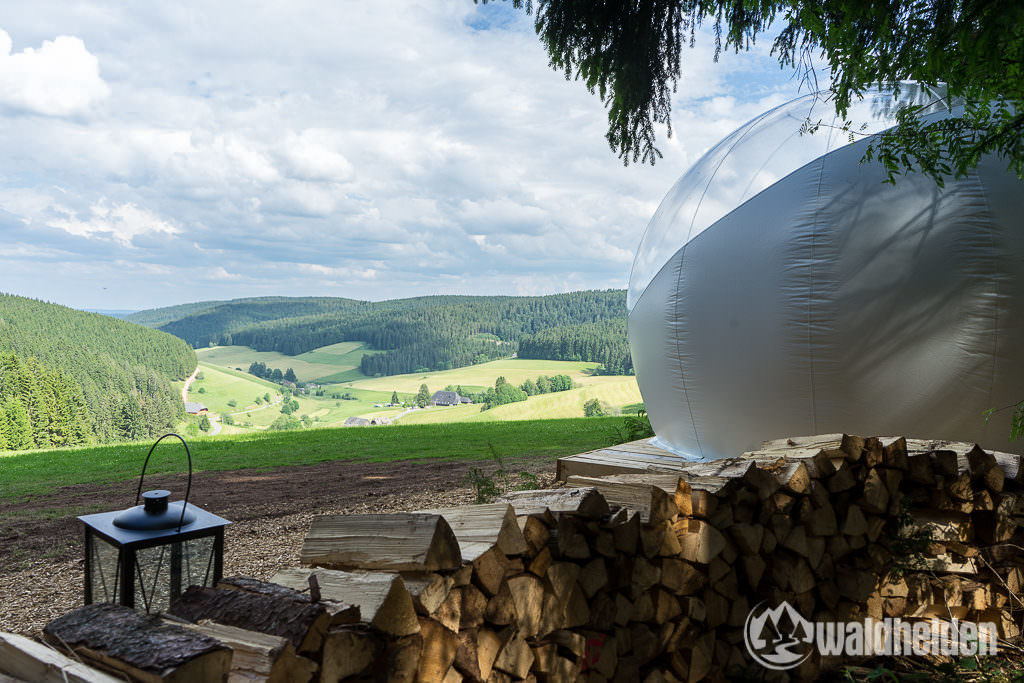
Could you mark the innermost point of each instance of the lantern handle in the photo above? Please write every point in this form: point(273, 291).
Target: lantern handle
point(188, 487)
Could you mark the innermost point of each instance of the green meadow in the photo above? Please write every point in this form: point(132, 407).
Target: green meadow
point(31, 473)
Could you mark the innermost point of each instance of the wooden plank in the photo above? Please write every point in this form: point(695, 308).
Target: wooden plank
point(396, 542)
point(28, 660)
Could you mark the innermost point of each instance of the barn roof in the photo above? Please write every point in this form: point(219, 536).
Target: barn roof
point(192, 408)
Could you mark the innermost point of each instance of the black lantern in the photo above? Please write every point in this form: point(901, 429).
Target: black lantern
point(144, 556)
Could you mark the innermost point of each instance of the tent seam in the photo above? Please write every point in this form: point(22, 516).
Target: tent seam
point(995, 279)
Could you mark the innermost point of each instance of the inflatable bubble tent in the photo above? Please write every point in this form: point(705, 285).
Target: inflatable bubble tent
point(782, 288)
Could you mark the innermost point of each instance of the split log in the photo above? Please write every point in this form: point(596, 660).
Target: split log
point(700, 541)
point(439, 647)
point(535, 532)
point(587, 503)
point(501, 610)
point(402, 658)
point(397, 542)
point(489, 567)
point(528, 596)
point(428, 591)
point(259, 656)
point(479, 528)
point(142, 647)
point(303, 623)
point(383, 598)
point(515, 657)
point(28, 660)
point(653, 503)
point(348, 651)
point(472, 607)
point(571, 539)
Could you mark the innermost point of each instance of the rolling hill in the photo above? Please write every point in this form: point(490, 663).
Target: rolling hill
point(62, 369)
point(424, 333)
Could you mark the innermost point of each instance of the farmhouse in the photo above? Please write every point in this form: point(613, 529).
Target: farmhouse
point(380, 420)
point(195, 408)
point(356, 422)
point(447, 398)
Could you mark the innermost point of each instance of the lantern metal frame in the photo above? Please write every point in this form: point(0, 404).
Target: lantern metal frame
point(128, 542)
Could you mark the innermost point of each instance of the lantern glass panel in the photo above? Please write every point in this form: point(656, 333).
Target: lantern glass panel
point(163, 572)
point(105, 572)
point(197, 562)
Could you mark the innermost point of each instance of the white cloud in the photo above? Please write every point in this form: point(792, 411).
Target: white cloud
point(382, 150)
point(60, 78)
point(120, 222)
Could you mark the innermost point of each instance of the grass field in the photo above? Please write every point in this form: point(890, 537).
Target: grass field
point(223, 382)
point(334, 363)
point(221, 385)
point(616, 392)
point(515, 370)
point(39, 472)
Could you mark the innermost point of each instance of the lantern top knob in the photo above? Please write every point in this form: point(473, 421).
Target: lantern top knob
point(155, 502)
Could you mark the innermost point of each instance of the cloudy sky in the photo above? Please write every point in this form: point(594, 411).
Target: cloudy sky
point(155, 154)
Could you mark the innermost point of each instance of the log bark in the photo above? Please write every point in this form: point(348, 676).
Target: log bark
point(301, 622)
point(142, 647)
point(341, 613)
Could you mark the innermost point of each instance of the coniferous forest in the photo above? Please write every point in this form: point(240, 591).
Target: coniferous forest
point(426, 333)
point(69, 377)
point(602, 342)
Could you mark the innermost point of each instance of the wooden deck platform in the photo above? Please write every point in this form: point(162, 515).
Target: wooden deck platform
point(633, 457)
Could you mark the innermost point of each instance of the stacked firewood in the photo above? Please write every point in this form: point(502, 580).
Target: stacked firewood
point(629, 577)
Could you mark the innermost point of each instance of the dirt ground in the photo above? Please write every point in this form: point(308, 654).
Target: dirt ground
point(41, 566)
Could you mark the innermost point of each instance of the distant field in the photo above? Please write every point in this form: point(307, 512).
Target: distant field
point(223, 385)
point(39, 472)
point(223, 382)
point(616, 392)
point(334, 363)
point(515, 370)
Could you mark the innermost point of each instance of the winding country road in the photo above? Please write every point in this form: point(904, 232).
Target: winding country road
point(188, 383)
point(214, 420)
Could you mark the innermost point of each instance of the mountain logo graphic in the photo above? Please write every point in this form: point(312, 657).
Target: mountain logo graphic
point(779, 638)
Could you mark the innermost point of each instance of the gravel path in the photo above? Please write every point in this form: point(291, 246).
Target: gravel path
point(42, 573)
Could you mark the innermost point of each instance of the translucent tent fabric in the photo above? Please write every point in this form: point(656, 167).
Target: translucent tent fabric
point(783, 288)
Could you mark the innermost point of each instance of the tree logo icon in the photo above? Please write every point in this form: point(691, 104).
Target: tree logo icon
point(779, 638)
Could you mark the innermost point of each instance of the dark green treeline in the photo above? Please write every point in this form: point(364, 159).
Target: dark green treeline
point(427, 333)
point(116, 376)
